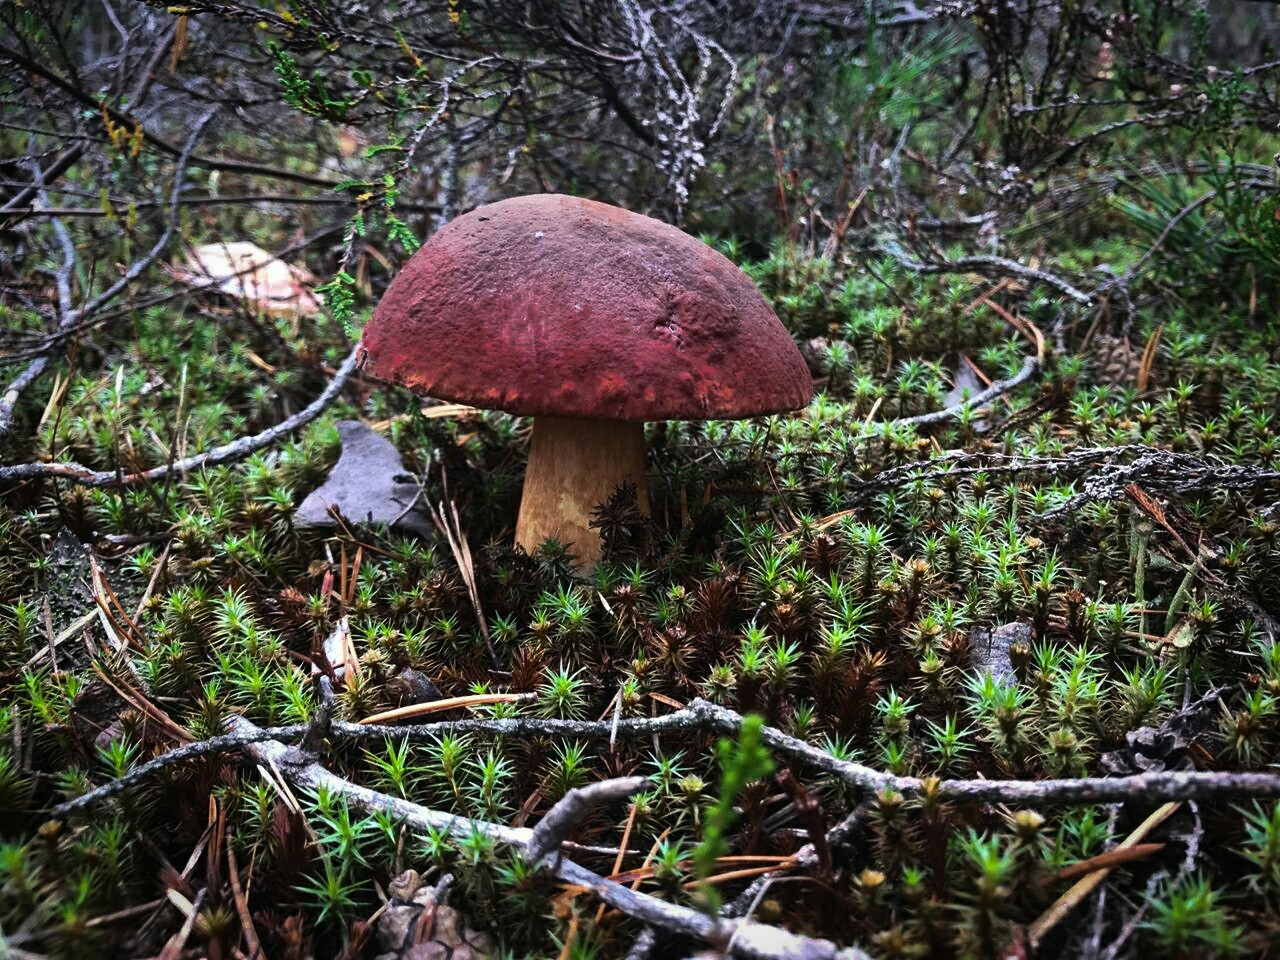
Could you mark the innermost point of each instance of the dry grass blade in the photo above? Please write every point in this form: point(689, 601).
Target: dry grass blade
point(760, 864)
point(1059, 909)
point(242, 903)
point(466, 567)
point(136, 700)
point(178, 942)
point(1148, 359)
point(436, 706)
point(1108, 860)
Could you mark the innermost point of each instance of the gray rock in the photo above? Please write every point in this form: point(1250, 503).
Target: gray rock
point(412, 686)
point(431, 950)
point(990, 648)
point(369, 484)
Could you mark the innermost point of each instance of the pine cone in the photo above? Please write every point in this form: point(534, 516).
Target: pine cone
point(447, 936)
point(1113, 360)
point(1152, 749)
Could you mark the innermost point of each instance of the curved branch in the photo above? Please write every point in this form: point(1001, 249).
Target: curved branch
point(988, 266)
point(742, 938)
point(227, 453)
point(227, 743)
point(999, 387)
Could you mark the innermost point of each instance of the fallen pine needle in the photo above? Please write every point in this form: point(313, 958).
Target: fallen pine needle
point(1086, 884)
point(1108, 860)
point(436, 706)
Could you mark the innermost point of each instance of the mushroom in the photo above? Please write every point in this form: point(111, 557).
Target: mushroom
point(590, 319)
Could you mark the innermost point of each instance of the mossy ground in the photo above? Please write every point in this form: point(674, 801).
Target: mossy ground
point(767, 579)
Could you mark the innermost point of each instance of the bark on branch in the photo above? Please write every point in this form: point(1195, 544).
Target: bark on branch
point(554, 828)
point(745, 939)
point(706, 716)
point(227, 453)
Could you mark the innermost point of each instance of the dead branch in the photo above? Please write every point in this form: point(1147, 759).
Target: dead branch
point(69, 157)
point(643, 945)
point(227, 453)
point(70, 319)
point(987, 266)
point(226, 743)
point(554, 828)
point(743, 938)
point(1109, 471)
point(160, 143)
point(703, 715)
point(998, 388)
point(1157, 787)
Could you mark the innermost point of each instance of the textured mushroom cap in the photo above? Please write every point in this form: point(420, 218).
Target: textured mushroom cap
point(551, 305)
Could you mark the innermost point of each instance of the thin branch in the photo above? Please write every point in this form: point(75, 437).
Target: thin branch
point(1169, 227)
point(137, 96)
point(642, 947)
point(703, 715)
point(749, 940)
point(212, 201)
point(998, 388)
point(227, 453)
point(69, 319)
point(130, 122)
point(1111, 469)
point(806, 858)
point(737, 937)
point(558, 822)
point(226, 743)
point(988, 266)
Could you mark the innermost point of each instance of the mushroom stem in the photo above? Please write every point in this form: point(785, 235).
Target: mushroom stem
point(574, 466)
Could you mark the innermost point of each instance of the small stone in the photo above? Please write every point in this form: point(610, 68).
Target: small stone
point(412, 686)
point(368, 484)
point(814, 351)
point(448, 926)
point(481, 943)
point(396, 924)
point(96, 713)
point(990, 648)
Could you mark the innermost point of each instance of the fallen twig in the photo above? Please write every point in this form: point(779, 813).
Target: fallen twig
point(227, 453)
point(997, 388)
point(1156, 787)
point(1110, 470)
point(1086, 884)
point(750, 940)
point(226, 743)
point(554, 828)
point(701, 715)
point(988, 266)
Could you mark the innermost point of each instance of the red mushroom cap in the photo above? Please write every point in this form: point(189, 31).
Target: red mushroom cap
point(550, 305)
